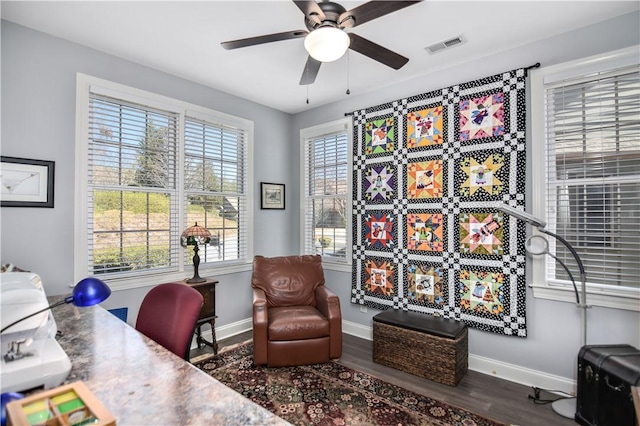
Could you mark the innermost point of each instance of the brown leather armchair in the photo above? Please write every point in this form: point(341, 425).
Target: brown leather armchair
point(296, 318)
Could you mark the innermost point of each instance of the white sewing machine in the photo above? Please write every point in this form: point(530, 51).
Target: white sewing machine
point(31, 356)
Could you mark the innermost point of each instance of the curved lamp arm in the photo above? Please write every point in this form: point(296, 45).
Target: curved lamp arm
point(568, 246)
point(529, 246)
point(62, 302)
point(87, 292)
point(540, 225)
point(583, 274)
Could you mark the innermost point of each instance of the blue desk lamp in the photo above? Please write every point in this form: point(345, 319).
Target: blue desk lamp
point(87, 292)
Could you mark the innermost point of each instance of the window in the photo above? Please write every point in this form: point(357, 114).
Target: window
point(326, 195)
point(132, 162)
point(586, 139)
point(215, 166)
point(149, 167)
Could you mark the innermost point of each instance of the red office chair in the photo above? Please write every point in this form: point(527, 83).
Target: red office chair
point(168, 316)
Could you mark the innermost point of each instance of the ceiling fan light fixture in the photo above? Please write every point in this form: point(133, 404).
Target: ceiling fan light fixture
point(327, 44)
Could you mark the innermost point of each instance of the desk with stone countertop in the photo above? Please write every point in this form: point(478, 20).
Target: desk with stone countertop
point(140, 382)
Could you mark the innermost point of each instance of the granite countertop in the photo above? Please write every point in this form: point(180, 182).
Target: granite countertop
point(140, 382)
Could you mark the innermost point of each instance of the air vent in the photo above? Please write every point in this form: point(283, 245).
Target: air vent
point(436, 47)
point(453, 42)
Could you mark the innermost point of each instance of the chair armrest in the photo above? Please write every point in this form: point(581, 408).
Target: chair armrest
point(260, 326)
point(328, 303)
point(259, 298)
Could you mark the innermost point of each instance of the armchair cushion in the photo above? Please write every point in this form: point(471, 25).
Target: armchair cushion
point(297, 323)
point(288, 280)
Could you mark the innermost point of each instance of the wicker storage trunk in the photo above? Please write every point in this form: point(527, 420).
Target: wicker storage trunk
point(420, 344)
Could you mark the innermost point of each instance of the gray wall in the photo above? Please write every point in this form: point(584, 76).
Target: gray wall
point(38, 121)
point(553, 327)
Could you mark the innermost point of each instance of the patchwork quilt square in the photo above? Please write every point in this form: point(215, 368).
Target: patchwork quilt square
point(424, 127)
point(482, 117)
point(379, 136)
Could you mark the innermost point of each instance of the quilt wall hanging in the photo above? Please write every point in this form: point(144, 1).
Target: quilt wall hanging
point(428, 171)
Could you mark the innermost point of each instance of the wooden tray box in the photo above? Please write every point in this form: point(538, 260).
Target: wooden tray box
point(67, 405)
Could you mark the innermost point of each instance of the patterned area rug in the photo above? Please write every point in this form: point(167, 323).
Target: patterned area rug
point(330, 394)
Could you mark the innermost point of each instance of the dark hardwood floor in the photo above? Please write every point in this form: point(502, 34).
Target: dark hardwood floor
point(489, 396)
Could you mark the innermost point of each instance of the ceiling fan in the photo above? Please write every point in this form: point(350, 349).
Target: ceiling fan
point(326, 39)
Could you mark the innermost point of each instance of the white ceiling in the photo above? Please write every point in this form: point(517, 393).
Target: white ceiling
point(183, 38)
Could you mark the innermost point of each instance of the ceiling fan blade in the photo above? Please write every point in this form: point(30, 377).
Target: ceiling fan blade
point(310, 72)
point(371, 10)
point(252, 41)
point(377, 52)
point(311, 10)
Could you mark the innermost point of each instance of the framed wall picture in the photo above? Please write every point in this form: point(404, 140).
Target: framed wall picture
point(271, 196)
point(26, 183)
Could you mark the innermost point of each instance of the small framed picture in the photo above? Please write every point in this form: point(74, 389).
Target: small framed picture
point(271, 196)
point(26, 183)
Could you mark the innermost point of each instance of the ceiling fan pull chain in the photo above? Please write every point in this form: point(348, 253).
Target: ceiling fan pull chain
point(348, 91)
point(307, 94)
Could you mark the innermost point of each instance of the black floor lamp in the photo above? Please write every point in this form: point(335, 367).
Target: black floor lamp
point(538, 245)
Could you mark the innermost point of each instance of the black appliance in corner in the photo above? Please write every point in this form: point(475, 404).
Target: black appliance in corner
point(606, 374)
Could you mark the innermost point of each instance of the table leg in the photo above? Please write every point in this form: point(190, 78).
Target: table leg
point(202, 342)
point(214, 340)
point(199, 339)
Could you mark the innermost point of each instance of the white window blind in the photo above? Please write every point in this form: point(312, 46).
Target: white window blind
point(215, 166)
point(326, 210)
point(132, 192)
point(592, 161)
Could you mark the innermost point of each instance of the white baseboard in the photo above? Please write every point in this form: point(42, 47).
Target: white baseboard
point(511, 372)
point(358, 330)
point(503, 370)
point(518, 374)
point(226, 331)
point(234, 328)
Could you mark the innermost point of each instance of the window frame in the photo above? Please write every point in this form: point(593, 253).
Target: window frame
point(338, 126)
point(85, 84)
point(597, 295)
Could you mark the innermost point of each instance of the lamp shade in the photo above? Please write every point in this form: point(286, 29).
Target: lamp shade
point(327, 44)
point(195, 235)
point(90, 291)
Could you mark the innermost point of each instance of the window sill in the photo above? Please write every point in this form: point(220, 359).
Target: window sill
point(118, 284)
point(334, 266)
point(629, 300)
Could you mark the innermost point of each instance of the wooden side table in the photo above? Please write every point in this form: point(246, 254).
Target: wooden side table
point(208, 313)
